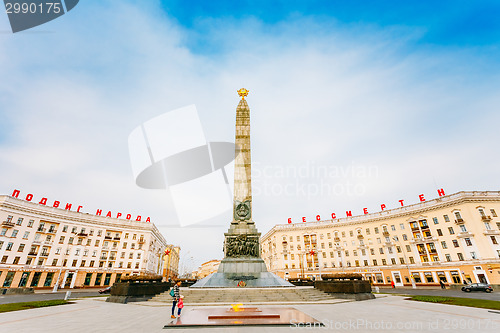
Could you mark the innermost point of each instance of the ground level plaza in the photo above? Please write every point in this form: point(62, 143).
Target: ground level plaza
point(386, 314)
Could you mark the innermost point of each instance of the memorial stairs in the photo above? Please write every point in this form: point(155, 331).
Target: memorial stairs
point(247, 295)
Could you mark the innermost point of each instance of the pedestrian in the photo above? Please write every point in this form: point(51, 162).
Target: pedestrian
point(180, 305)
point(441, 283)
point(393, 284)
point(177, 296)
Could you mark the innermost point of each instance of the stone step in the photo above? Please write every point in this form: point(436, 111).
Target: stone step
point(247, 295)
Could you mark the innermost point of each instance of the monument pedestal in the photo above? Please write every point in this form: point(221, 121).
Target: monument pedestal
point(252, 271)
point(242, 267)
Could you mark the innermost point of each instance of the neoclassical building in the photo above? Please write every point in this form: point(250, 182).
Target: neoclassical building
point(171, 262)
point(207, 268)
point(453, 238)
point(41, 246)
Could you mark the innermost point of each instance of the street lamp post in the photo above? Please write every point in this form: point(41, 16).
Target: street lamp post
point(301, 264)
point(406, 261)
point(56, 285)
point(320, 263)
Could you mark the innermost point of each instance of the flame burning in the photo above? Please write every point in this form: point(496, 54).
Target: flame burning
point(237, 307)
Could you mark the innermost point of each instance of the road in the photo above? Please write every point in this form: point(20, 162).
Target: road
point(494, 296)
point(46, 295)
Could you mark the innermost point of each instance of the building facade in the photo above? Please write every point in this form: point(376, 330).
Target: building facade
point(47, 247)
point(171, 262)
point(454, 238)
point(207, 268)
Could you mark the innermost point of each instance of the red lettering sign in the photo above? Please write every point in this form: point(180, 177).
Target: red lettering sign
point(57, 204)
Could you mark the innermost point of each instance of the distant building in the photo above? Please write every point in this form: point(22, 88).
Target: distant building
point(171, 262)
point(207, 268)
point(41, 246)
point(454, 238)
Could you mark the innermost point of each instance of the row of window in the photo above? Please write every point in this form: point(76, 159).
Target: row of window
point(395, 238)
point(52, 229)
point(309, 240)
point(428, 277)
point(375, 262)
point(35, 282)
point(46, 250)
point(420, 248)
point(71, 240)
point(393, 227)
point(74, 263)
point(49, 277)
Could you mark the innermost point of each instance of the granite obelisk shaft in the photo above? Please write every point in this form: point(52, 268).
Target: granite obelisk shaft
point(242, 204)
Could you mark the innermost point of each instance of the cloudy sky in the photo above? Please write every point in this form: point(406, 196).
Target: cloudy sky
point(353, 103)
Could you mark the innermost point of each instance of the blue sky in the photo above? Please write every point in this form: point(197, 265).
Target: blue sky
point(451, 22)
point(405, 90)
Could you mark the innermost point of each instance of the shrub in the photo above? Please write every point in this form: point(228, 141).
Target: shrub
point(342, 276)
point(142, 278)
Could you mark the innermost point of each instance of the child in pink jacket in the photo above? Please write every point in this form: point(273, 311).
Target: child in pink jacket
point(180, 305)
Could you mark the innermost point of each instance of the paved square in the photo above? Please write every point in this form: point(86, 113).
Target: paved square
point(391, 313)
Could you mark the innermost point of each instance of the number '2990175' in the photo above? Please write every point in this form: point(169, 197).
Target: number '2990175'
point(33, 8)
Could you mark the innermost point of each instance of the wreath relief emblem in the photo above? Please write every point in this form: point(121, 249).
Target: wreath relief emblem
point(242, 210)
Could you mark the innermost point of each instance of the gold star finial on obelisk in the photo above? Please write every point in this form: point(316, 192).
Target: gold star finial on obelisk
point(243, 93)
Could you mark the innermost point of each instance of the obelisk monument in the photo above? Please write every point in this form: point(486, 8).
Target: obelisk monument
point(242, 239)
point(242, 261)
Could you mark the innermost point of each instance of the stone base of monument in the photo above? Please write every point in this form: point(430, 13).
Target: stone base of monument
point(241, 316)
point(251, 271)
